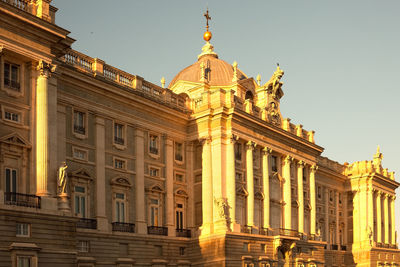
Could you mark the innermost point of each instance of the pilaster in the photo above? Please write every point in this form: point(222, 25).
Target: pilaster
point(207, 187)
point(250, 182)
point(378, 217)
point(169, 185)
point(231, 182)
point(393, 221)
point(190, 178)
point(266, 152)
point(337, 218)
point(326, 197)
point(386, 217)
point(313, 212)
point(300, 170)
point(287, 222)
point(140, 222)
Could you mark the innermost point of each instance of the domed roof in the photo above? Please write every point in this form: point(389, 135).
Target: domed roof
point(220, 72)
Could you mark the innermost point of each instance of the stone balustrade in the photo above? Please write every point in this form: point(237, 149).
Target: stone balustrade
point(98, 68)
point(39, 8)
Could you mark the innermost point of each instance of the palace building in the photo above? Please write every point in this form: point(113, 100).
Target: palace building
point(100, 167)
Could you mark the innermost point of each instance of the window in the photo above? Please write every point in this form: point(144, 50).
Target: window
point(11, 76)
point(79, 122)
point(238, 151)
point(119, 134)
point(23, 229)
point(263, 247)
point(274, 163)
point(154, 220)
point(119, 164)
point(120, 207)
point(79, 154)
point(179, 151)
point(330, 195)
point(80, 201)
point(246, 247)
point(83, 246)
point(24, 261)
point(154, 172)
point(179, 216)
point(153, 145)
point(182, 251)
point(158, 251)
point(179, 177)
point(11, 180)
point(340, 198)
point(319, 192)
point(12, 116)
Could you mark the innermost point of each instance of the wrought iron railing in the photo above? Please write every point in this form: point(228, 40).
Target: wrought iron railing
point(288, 232)
point(183, 233)
point(87, 223)
point(246, 229)
point(266, 231)
point(153, 150)
point(118, 140)
point(123, 227)
point(343, 247)
point(79, 129)
point(334, 247)
point(157, 230)
point(24, 200)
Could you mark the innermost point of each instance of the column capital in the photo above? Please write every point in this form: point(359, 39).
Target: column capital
point(266, 150)
point(392, 197)
point(301, 164)
point(234, 138)
point(1, 50)
point(288, 159)
point(45, 69)
point(313, 168)
point(250, 145)
point(204, 140)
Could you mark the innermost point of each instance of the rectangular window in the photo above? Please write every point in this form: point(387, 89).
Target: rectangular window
point(319, 193)
point(11, 180)
point(83, 246)
point(120, 207)
point(154, 212)
point(80, 154)
point(179, 177)
point(179, 216)
point(246, 247)
point(80, 201)
point(153, 145)
point(24, 261)
point(274, 163)
point(179, 151)
point(11, 76)
point(79, 122)
point(23, 229)
point(119, 134)
point(119, 164)
point(182, 251)
point(238, 151)
point(12, 116)
point(154, 172)
point(239, 177)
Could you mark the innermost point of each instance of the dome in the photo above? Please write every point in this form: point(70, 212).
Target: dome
point(221, 72)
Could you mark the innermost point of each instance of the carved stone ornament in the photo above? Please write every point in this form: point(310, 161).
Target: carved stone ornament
point(273, 114)
point(223, 207)
point(45, 68)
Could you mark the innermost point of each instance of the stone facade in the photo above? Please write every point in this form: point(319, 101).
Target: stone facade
point(99, 167)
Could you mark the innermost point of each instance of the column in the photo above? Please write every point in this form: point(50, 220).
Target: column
point(300, 170)
point(102, 222)
point(265, 176)
point(43, 133)
point(392, 217)
point(345, 208)
point(1, 67)
point(140, 222)
point(386, 218)
point(169, 186)
point(370, 211)
point(287, 199)
point(337, 219)
point(206, 186)
point(313, 212)
point(327, 232)
point(231, 180)
point(250, 182)
point(190, 178)
point(356, 216)
point(378, 217)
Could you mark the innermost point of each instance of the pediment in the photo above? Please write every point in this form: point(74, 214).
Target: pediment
point(181, 192)
point(15, 139)
point(121, 181)
point(81, 173)
point(155, 188)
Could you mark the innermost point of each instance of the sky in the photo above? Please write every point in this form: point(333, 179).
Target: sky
point(341, 58)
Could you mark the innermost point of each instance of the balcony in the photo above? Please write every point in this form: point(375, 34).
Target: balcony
point(288, 232)
point(153, 150)
point(23, 200)
point(178, 157)
point(246, 229)
point(87, 223)
point(119, 140)
point(79, 129)
point(266, 231)
point(157, 230)
point(334, 247)
point(183, 233)
point(343, 247)
point(123, 227)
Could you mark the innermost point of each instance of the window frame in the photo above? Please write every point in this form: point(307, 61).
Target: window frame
point(157, 169)
point(116, 142)
point(80, 195)
point(85, 153)
point(81, 247)
point(157, 147)
point(10, 91)
point(85, 122)
point(28, 229)
point(176, 173)
point(182, 159)
point(122, 160)
point(7, 109)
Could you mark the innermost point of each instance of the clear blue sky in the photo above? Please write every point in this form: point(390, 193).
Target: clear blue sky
point(341, 58)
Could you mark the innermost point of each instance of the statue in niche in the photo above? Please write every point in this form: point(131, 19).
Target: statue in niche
point(222, 208)
point(62, 179)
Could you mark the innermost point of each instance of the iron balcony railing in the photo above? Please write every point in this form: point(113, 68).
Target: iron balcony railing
point(123, 227)
point(334, 247)
point(183, 233)
point(24, 200)
point(343, 247)
point(153, 150)
point(246, 229)
point(266, 231)
point(157, 230)
point(288, 232)
point(79, 129)
point(118, 140)
point(87, 223)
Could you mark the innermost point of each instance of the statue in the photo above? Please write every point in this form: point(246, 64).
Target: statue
point(62, 179)
point(369, 234)
point(276, 84)
point(273, 114)
point(222, 208)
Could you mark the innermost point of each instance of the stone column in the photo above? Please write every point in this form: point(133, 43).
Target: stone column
point(356, 216)
point(287, 198)
point(1, 67)
point(44, 108)
point(313, 212)
point(140, 222)
point(102, 222)
point(370, 211)
point(327, 232)
point(190, 178)
point(337, 219)
point(392, 217)
point(344, 204)
point(231, 181)
point(250, 182)
point(300, 170)
point(265, 176)
point(386, 217)
point(207, 188)
point(378, 217)
point(169, 186)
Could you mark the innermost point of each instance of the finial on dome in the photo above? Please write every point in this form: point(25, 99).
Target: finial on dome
point(207, 35)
